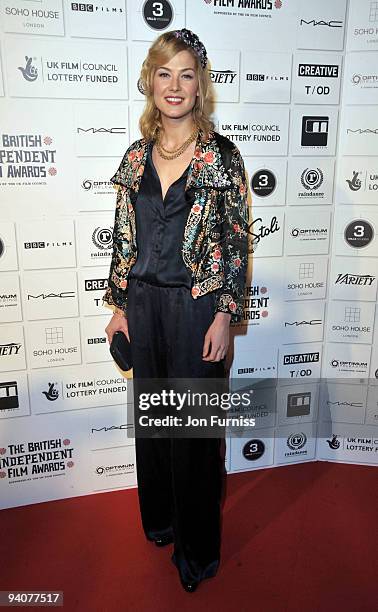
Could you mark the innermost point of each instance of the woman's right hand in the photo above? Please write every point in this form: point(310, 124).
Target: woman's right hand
point(117, 323)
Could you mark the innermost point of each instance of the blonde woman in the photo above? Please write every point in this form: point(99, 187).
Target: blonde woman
point(176, 284)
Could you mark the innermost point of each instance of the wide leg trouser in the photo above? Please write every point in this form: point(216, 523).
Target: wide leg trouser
point(179, 479)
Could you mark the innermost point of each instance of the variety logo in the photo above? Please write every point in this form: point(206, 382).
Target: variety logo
point(314, 131)
point(359, 233)
point(8, 395)
point(355, 279)
point(223, 76)
point(263, 183)
point(12, 348)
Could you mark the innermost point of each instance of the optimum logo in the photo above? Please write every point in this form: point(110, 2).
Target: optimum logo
point(359, 233)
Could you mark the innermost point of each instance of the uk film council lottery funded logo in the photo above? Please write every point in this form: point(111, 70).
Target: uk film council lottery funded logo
point(359, 233)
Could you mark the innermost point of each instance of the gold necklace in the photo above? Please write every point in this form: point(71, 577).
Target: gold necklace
point(176, 152)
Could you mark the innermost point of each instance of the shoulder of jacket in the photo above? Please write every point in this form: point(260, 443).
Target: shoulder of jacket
point(224, 141)
point(136, 145)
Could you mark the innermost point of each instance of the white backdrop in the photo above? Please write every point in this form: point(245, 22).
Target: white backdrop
point(296, 85)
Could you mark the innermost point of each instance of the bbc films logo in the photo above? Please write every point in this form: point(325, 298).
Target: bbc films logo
point(359, 233)
point(314, 131)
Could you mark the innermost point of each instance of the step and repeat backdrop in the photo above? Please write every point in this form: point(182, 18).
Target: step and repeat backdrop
point(296, 87)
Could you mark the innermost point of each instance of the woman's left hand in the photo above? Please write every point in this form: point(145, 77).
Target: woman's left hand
point(217, 338)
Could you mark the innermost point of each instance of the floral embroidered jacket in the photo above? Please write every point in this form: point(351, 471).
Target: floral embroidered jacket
point(214, 246)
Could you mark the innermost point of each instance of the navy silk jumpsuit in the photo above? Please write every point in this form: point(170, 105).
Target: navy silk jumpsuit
point(179, 479)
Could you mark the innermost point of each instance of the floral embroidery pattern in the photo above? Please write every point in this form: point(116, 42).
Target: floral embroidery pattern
point(214, 246)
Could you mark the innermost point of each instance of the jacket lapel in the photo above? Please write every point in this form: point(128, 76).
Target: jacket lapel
point(206, 169)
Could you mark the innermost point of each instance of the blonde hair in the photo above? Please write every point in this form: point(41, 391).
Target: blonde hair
point(161, 51)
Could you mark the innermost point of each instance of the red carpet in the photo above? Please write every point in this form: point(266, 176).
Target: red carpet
point(300, 538)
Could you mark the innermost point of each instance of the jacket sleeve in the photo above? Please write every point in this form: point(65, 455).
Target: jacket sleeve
point(234, 241)
point(116, 292)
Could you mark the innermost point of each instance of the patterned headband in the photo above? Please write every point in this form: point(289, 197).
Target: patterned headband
point(193, 41)
point(190, 39)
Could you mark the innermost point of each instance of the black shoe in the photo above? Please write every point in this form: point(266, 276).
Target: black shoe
point(163, 541)
point(190, 587)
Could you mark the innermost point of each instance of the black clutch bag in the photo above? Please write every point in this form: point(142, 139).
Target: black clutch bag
point(120, 350)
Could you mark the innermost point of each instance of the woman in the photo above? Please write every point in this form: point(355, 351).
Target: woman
point(176, 284)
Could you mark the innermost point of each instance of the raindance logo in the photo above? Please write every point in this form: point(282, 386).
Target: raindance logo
point(52, 394)
point(296, 441)
point(102, 238)
point(29, 72)
point(334, 442)
point(359, 233)
point(354, 183)
point(312, 179)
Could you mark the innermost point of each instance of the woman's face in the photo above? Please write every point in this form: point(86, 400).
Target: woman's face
point(175, 85)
